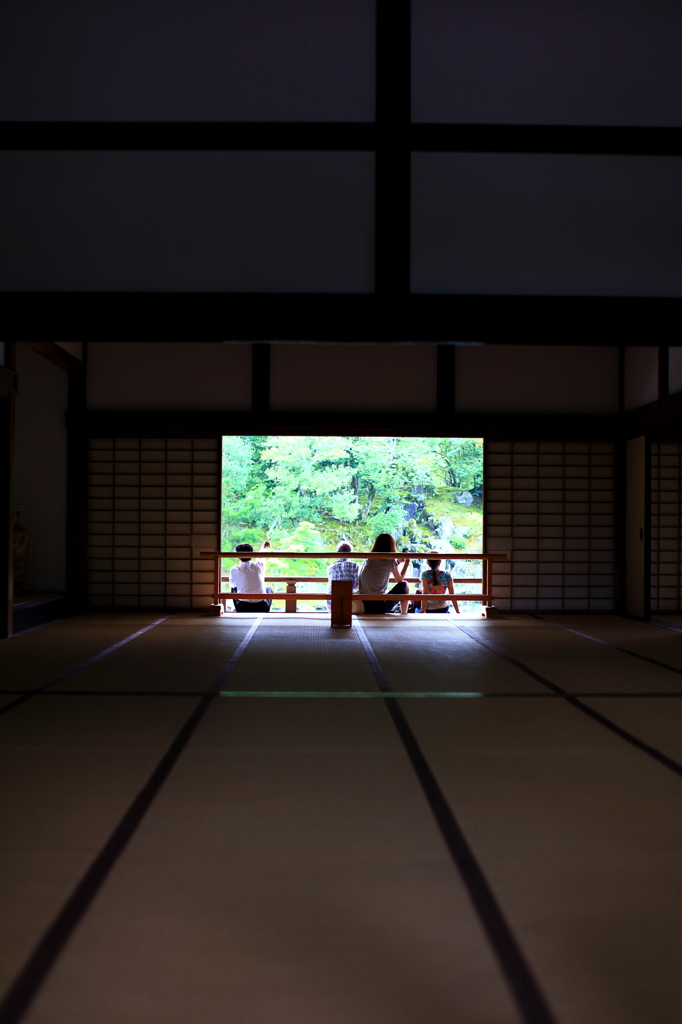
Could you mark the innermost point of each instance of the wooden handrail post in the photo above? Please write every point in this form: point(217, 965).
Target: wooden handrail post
point(342, 602)
point(485, 580)
point(216, 580)
point(290, 604)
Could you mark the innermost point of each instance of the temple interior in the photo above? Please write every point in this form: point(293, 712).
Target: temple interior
point(340, 219)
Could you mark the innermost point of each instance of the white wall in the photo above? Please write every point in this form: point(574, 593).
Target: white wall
point(545, 224)
point(536, 379)
point(40, 467)
point(187, 221)
point(572, 379)
point(265, 60)
point(354, 377)
point(168, 375)
point(641, 376)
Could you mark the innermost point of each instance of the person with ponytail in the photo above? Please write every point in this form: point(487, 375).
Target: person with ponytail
point(375, 573)
point(437, 581)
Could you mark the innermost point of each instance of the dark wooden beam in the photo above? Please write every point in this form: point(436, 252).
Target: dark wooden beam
point(490, 425)
point(7, 420)
point(545, 138)
point(619, 522)
point(209, 316)
point(663, 371)
point(392, 197)
point(77, 489)
point(392, 82)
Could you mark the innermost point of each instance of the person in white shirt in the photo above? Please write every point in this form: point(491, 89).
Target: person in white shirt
point(249, 578)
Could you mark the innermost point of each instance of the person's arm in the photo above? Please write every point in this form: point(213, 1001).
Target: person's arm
point(261, 561)
point(451, 590)
point(397, 573)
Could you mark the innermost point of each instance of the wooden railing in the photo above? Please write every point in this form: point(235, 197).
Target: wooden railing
point(341, 596)
point(292, 594)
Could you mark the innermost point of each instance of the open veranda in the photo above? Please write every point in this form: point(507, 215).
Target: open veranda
point(303, 495)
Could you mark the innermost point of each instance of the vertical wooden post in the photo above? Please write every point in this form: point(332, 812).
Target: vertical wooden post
point(216, 579)
point(485, 581)
point(77, 469)
point(7, 414)
point(392, 160)
point(663, 371)
point(290, 603)
point(342, 603)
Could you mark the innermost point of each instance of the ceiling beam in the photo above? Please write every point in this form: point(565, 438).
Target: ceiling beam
point(223, 136)
point(207, 316)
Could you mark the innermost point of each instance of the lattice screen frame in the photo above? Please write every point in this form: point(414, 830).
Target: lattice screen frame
point(666, 527)
point(550, 506)
point(151, 501)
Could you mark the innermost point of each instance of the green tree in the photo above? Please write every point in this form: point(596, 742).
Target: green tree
point(461, 463)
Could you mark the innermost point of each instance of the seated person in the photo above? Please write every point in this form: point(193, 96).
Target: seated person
point(343, 569)
point(374, 577)
point(248, 578)
point(437, 581)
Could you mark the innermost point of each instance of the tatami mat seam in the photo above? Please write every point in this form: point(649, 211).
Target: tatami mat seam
point(524, 988)
point(607, 643)
point(31, 629)
point(83, 664)
point(39, 964)
point(574, 701)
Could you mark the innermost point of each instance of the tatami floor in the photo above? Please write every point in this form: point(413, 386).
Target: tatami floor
point(422, 820)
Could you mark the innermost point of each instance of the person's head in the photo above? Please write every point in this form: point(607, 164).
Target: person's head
point(433, 563)
point(384, 542)
point(344, 547)
point(244, 547)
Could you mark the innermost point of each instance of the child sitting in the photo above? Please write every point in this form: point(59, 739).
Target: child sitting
point(437, 581)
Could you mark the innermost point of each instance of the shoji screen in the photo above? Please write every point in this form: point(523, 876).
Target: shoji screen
point(550, 506)
point(666, 527)
point(151, 502)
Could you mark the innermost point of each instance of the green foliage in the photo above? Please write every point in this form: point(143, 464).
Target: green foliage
point(461, 462)
point(304, 493)
point(306, 537)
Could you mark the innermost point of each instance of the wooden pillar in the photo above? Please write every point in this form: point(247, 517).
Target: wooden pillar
point(392, 155)
point(290, 603)
point(342, 603)
point(77, 489)
point(8, 386)
point(663, 371)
